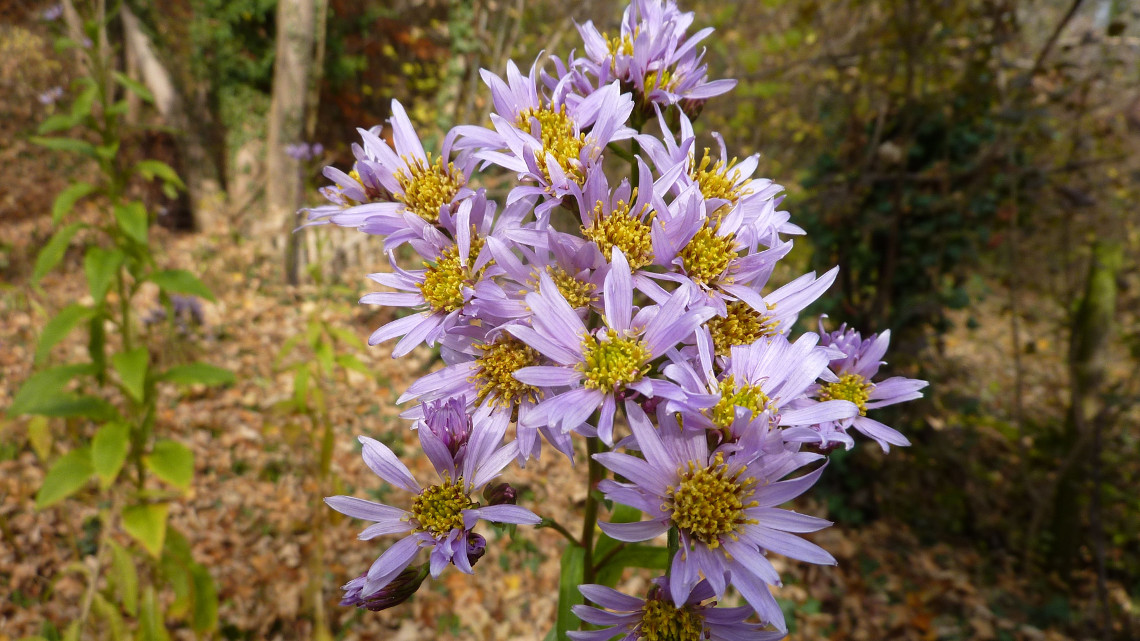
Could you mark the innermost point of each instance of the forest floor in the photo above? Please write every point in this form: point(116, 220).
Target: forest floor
point(249, 516)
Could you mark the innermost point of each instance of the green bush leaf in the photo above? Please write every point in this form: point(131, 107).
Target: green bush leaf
point(111, 615)
point(100, 265)
point(109, 451)
point(180, 281)
point(152, 625)
point(132, 219)
point(53, 251)
point(172, 462)
point(84, 102)
point(57, 122)
point(147, 524)
point(39, 435)
point(151, 169)
point(59, 327)
point(68, 405)
point(205, 618)
point(126, 578)
point(42, 386)
point(573, 561)
point(197, 373)
point(67, 475)
point(132, 367)
point(67, 199)
point(134, 86)
point(65, 144)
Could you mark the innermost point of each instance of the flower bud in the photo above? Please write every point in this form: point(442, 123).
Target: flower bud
point(476, 548)
point(500, 494)
point(399, 590)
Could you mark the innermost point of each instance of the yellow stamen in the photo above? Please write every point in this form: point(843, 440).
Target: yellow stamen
point(716, 182)
point(444, 281)
point(741, 326)
point(849, 387)
point(496, 374)
point(613, 362)
point(439, 509)
point(623, 229)
point(708, 503)
point(708, 254)
point(428, 186)
point(558, 139)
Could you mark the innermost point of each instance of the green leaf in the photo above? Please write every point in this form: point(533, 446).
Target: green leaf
point(132, 220)
point(53, 251)
point(176, 576)
point(109, 451)
point(67, 199)
point(348, 337)
point(180, 281)
point(67, 475)
point(351, 362)
point(65, 144)
point(110, 614)
point(39, 435)
point(132, 367)
point(84, 102)
point(109, 151)
point(205, 616)
point(59, 327)
point(126, 578)
point(152, 625)
point(134, 86)
point(197, 373)
point(43, 385)
point(57, 122)
point(69, 405)
point(151, 169)
point(573, 561)
point(172, 462)
point(147, 524)
point(100, 265)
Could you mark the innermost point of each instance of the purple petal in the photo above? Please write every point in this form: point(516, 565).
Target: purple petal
point(384, 463)
point(634, 532)
point(500, 514)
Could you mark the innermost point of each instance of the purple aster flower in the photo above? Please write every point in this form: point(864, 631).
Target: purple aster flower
point(850, 378)
point(594, 367)
point(656, 616)
point(653, 55)
point(52, 13)
point(441, 516)
point(553, 142)
point(770, 375)
point(442, 290)
point(389, 186)
point(723, 506)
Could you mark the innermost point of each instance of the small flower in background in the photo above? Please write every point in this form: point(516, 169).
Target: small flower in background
point(51, 96)
point(52, 13)
point(658, 617)
point(304, 151)
point(187, 311)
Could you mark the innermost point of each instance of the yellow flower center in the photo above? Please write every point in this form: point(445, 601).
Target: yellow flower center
point(558, 139)
point(439, 509)
point(707, 255)
point(850, 387)
point(578, 293)
point(741, 326)
point(665, 77)
point(496, 374)
point(614, 362)
point(660, 621)
point(428, 186)
point(444, 281)
point(715, 181)
point(624, 230)
point(708, 502)
point(750, 397)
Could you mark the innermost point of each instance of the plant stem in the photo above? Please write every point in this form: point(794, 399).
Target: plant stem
point(590, 520)
point(609, 555)
point(558, 527)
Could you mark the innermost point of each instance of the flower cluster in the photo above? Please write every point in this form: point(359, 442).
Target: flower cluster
point(635, 311)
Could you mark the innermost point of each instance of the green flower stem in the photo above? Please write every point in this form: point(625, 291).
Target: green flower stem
point(590, 520)
point(608, 557)
point(559, 528)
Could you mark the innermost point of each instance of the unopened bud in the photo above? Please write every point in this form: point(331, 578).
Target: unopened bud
point(501, 494)
point(476, 548)
point(400, 589)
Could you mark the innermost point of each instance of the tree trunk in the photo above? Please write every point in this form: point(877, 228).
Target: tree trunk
point(198, 168)
point(1088, 354)
point(291, 72)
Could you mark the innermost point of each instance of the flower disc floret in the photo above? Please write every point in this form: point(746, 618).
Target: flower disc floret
point(716, 181)
point(577, 292)
point(661, 621)
point(707, 255)
point(750, 397)
point(624, 230)
point(444, 281)
point(742, 325)
point(495, 376)
point(558, 137)
point(428, 186)
point(849, 387)
point(438, 509)
point(708, 502)
point(614, 361)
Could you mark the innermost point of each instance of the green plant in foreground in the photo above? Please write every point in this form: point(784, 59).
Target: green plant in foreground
point(109, 400)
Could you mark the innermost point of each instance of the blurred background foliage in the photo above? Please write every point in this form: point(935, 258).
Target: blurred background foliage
point(972, 165)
